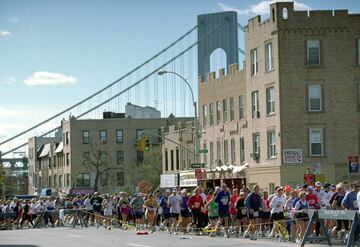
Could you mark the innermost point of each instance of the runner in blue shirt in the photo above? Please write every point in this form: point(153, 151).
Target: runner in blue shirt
point(223, 200)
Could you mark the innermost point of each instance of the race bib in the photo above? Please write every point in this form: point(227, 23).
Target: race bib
point(197, 204)
point(224, 200)
point(256, 214)
point(355, 205)
point(244, 211)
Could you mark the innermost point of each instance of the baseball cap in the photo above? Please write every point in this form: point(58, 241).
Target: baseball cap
point(174, 190)
point(318, 183)
point(167, 190)
point(333, 187)
point(327, 185)
point(310, 188)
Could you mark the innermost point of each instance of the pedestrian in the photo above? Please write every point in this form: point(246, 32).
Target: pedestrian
point(253, 203)
point(213, 212)
point(26, 214)
point(151, 206)
point(96, 203)
point(241, 213)
point(137, 204)
point(184, 211)
point(301, 215)
point(165, 206)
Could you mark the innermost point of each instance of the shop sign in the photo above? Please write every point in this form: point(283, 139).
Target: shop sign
point(168, 180)
point(292, 156)
point(309, 179)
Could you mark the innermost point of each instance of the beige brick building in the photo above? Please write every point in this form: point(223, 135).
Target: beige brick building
point(298, 97)
point(112, 142)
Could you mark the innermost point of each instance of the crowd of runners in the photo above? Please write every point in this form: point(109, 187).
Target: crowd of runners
point(220, 212)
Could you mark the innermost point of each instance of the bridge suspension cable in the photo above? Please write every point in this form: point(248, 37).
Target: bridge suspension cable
point(119, 93)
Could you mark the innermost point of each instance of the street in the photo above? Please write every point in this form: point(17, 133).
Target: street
point(100, 237)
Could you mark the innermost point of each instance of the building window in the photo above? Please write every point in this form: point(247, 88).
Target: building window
point(177, 159)
point(285, 13)
point(232, 113)
point(313, 52)
point(172, 159)
point(166, 160)
point(242, 149)
point(103, 136)
point(103, 156)
point(270, 100)
point(254, 62)
point(86, 158)
point(61, 181)
point(255, 104)
point(83, 180)
point(119, 136)
point(139, 134)
point(68, 180)
point(224, 102)
point(233, 152)
point(211, 153)
point(269, 57)
point(205, 153)
point(120, 179)
point(67, 139)
point(120, 158)
point(86, 137)
point(104, 178)
point(50, 185)
point(315, 101)
point(218, 152)
point(218, 110)
point(256, 146)
point(211, 109)
point(271, 142)
point(67, 159)
point(241, 107)
point(226, 152)
point(205, 115)
point(55, 181)
point(358, 51)
point(316, 141)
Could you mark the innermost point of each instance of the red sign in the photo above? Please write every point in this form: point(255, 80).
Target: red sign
point(309, 179)
point(353, 162)
point(199, 173)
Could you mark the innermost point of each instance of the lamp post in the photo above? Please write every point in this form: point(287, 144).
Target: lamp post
point(196, 139)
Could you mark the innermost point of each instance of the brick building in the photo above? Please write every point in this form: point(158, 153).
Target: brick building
point(295, 105)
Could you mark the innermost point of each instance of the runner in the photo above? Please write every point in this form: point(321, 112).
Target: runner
point(124, 207)
point(137, 204)
point(107, 207)
point(232, 210)
point(96, 202)
point(195, 203)
point(184, 211)
point(301, 215)
point(253, 203)
point(213, 212)
point(174, 201)
point(165, 206)
point(26, 215)
point(241, 214)
point(223, 200)
point(277, 212)
point(151, 206)
point(265, 214)
point(336, 205)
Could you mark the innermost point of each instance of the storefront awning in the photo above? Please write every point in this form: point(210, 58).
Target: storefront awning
point(239, 171)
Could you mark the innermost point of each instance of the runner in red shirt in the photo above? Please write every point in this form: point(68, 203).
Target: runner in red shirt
point(232, 210)
point(311, 198)
point(195, 203)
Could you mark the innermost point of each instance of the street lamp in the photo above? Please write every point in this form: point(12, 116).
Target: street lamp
point(196, 139)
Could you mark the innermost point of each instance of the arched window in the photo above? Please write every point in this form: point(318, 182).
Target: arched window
point(284, 13)
point(218, 61)
point(273, 14)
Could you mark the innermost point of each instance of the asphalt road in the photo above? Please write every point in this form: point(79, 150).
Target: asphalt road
point(61, 237)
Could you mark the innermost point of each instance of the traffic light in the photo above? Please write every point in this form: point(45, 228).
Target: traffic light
point(141, 144)
point(146, 145)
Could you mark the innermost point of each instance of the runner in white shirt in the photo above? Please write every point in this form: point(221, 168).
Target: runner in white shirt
point(174, 201)
point(277, 206)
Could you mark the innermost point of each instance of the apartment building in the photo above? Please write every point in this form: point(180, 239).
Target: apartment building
point(294, 106)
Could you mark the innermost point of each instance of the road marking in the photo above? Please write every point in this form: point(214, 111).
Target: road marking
point(137, 245)
point(76, 236)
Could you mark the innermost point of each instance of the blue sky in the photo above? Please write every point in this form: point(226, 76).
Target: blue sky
point(55, 53)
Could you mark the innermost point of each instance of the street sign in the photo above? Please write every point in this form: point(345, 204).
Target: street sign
point(203, 151)
point(197, 165)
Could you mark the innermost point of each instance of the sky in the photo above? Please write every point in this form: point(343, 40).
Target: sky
point(55, 53)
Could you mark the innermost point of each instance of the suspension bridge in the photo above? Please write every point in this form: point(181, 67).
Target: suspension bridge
point(212, 43)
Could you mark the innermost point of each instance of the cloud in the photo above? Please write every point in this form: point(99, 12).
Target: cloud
point(49, 78)
point(12, 19)
point(4, 33)
point(261, 8)
point(5, 112)
point(8, 80)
